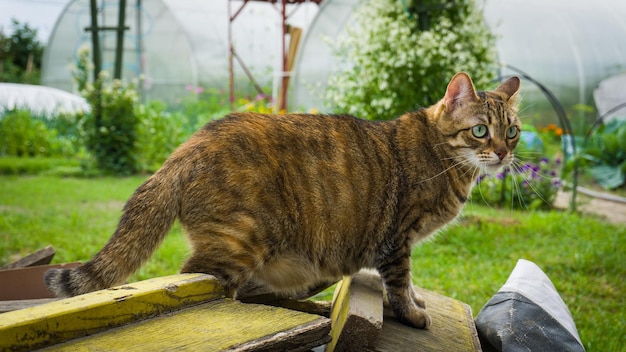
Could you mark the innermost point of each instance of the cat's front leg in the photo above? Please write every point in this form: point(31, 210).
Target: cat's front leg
point(408, 306)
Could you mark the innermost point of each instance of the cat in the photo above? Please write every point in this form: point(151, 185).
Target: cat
point(291, 202)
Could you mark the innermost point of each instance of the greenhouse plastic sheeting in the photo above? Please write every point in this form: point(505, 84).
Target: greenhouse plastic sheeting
point(174, 46)
point(40, 100)
point(610, 98)
point(568, 46)
point(527, 314)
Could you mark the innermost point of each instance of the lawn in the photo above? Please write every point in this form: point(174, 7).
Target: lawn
point(470, 260)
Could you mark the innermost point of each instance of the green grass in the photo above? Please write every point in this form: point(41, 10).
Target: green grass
point(583, 256)
point(75, 216)
point(12, 165)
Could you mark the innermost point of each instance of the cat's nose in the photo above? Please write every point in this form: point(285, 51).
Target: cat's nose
point(501, 153)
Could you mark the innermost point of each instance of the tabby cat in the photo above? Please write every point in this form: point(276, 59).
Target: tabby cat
point(293, 201)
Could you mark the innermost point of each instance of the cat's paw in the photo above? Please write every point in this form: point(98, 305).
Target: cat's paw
point(413, 315)
point(410, 309)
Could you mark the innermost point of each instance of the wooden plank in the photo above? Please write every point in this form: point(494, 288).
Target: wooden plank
point(8, 306)
point(222, 325)
point(453, 328)
point(97, 311)
point(41, 257)
point(307, 306)
point(357, 313)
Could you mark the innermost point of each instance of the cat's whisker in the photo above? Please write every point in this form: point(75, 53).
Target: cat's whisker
point(438, 144)
point(516, 187)
point(470, 170)
point(519, 170)
point(526, 107)
point(441, 173)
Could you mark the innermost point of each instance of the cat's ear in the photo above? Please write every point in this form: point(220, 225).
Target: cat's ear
point(460, 91)
point(510, 87)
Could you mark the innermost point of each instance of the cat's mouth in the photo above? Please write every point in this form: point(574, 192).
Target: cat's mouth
point(494, 165)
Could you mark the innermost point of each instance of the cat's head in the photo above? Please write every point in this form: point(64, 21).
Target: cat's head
point(481, 128)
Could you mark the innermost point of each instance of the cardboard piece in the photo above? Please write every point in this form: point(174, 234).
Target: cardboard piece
point(27, 283)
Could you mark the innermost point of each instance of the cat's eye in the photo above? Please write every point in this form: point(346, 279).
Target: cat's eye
point(480, 131)
point(511, 132)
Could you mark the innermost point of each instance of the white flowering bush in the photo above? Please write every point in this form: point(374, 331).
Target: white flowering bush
point(393, 63)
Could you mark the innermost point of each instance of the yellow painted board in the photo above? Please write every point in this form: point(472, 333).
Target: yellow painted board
point(357, 313)
point(213, 326)
point(97, 311)
point(339, 312)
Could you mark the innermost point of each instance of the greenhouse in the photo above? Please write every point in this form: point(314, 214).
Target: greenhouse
point(182, 46)
point(569, 49)
point(175, 47)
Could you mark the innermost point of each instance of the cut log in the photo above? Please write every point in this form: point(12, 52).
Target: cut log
point(453, 328)
point(357, 321)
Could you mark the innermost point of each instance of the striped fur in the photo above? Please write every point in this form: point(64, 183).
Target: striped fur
point(291, 202)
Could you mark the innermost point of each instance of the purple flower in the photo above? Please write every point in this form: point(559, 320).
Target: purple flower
point(543, 161)
point(500, 176)
point(558, 161)
point(481, 178)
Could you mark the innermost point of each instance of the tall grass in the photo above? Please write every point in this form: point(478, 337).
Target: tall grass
point(469, 260)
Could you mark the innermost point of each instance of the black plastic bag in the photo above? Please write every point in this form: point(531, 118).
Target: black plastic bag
point(527, 314)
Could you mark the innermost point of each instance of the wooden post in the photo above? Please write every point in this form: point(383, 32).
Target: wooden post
point(119, 45)
point(95, 40)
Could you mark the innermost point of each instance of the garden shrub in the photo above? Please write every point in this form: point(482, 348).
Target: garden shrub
point(111, 127)
point(397, 58)
point(159, 132)
point(24, 136)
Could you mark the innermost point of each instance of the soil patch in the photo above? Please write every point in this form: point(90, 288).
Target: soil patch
point(614, 212)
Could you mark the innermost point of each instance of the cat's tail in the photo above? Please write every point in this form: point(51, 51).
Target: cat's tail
point(147, 218)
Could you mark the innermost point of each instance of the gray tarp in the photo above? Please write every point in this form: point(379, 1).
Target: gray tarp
point(527, 314)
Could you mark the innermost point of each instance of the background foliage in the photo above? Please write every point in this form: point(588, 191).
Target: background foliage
point(603, 155)
point(20, 54)
point(400, 56)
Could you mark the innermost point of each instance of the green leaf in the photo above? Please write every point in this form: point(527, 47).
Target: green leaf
point(611, 144)
point(609, 177)
point(621, 137)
